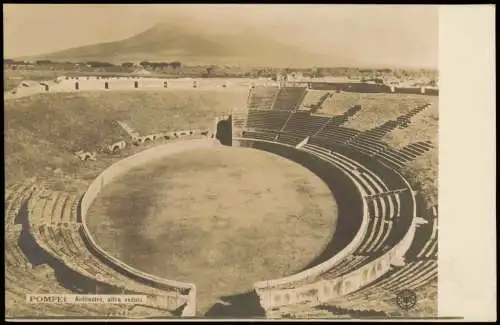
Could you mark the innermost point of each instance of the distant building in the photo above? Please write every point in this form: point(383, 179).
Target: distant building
point(280, 77)
point(295, 76)
point(141, 71)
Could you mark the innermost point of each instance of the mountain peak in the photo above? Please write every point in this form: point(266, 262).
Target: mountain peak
point(195, 42)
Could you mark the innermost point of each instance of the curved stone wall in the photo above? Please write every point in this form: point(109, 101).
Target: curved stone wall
point(363, 87)
point(328, 264)
point(316, 292)
point(324, 290)
point(117, 169)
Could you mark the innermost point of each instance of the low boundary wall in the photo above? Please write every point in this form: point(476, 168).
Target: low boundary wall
point(362, 87)
point(107, 176)
point(325, 266)
point(325, 290)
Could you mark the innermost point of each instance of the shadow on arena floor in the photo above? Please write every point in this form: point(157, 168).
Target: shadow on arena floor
point(244, 305)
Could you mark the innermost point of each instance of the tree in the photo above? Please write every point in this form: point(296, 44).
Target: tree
point(175, 64)
point(98, 64)
point(317, 72)
point(42, 62)
point(257, 73)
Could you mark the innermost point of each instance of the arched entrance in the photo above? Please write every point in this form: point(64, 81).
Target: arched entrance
point(224, 131)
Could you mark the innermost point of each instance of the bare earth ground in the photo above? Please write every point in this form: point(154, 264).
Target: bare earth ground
point(222, 218)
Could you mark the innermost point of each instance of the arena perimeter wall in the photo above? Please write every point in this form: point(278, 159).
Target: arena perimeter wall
point(324, 290)
point(107, 176)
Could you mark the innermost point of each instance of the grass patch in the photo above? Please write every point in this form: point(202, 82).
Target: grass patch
point(45, 130)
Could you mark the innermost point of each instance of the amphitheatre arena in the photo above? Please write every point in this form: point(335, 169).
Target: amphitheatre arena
point(220, 198)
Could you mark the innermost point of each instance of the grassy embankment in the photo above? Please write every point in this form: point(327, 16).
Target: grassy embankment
point(42, 132)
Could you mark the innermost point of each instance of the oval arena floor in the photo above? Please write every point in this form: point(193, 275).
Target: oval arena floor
point(222, 218)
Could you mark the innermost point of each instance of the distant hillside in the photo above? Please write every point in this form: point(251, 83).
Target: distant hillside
point(190, 44)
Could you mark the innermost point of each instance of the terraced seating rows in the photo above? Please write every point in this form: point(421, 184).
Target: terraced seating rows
point(289, 98)
point(239, 119)
point(10, 190)
point(391, 200)
point(21, 309)
point(64, 207)
point(383, 203)
point(399, 158)
point(350, 262)
point(393, 158)
point(289, 139)
point(63, 241)
point(368, 146)
point(413, 112)
point(417, 148)
point(410, 277)
point(32, 280)
point(14, 257)
point(383, 206)
point(53, 207)
point(21, 277)
point(336, 121)
point(266, 120)
point(379, 229)
point(377, 233)
point(304, 124)
point(299, 311)
point(16, 195)
point(262, 97)
point(431, 246)
point(416, 273)
point(379, 131)
point(336, 134)
point(67, 245)
point(60, 242)
point(261, 135)
point(369, 142)
point(20, 282)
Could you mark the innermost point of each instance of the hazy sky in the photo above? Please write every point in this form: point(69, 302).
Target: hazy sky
point(389, 35)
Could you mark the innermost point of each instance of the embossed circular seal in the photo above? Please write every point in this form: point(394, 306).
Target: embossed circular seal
point(406, 299)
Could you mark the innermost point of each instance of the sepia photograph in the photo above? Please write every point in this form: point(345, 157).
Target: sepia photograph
point(237, 161)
